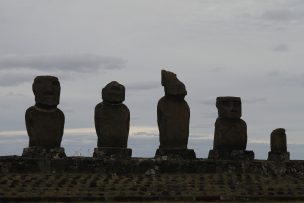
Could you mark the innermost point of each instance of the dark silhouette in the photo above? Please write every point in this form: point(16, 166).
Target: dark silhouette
point(44, 121)
point(112, 122)
point(278, 145)
point(230, 135)
point(173, 115)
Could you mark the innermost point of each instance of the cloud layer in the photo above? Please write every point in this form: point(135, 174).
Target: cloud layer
point(19, 69)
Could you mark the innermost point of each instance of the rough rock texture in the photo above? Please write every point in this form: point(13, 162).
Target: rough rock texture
point(112, 121)
point(232, 155)
point(165, 154)
point(278, 145)
point(77, 179)
point(40, 152)
point(230, 133)
point(173, 114)
point(172, 85)
point(113, 93)
point(44, 121)
point(46, 90)
point(112, 152)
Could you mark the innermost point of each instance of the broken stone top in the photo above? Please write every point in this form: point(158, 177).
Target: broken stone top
point(113, 92)
point(173, 86)
point(229, 107)
point(46, 90)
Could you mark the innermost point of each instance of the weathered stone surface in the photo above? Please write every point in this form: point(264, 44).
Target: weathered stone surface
point(40, 152)
point(112, 118)
point(44, 121)
point(278, 142)
point(229, 107)
point(278, 145)
point(172, 85)
point(231, 155)
point(169, 154)
point(47, 91)
point(112, 152)
point(230, 131)
point(230, 135)
point(17, 164)
point(173, 114)
point(161, 181)
point(278, 156)
point(113, 92)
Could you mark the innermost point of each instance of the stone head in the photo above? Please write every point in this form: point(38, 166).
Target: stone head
point(113, 92)
point(46, 90)
point(229, 107)
point(173, 86)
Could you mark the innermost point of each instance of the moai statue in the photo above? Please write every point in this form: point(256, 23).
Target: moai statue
point(230, 135)
point(44, 121)
point(173, 116)
point(112, 123)
point(278, 145)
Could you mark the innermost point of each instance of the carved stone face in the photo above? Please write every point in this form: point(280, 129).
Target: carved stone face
point(113, 92)
point(229, 107)
point(173, 86)
point(46, 90)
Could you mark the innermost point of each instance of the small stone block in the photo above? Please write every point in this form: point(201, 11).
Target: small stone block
point(112, 152)
point(175, 154)
point(40, 152)
point(278, 156)
point(231, 155)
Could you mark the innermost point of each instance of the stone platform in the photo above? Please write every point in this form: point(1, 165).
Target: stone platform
point(77, 179)
point(231, 155)
point(175, 154)
point(112, 152)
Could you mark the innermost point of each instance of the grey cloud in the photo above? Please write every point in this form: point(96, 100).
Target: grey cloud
point(283, 15)
point(254, 100)
point(15, 70)
point(209, 101)
point(212, 101)
point(297, 79)
point(273, 73)
point(216, 69)
point(281, 48)
point(83, 63)
point(13, 79)
point(147, 85)
point(13, 94)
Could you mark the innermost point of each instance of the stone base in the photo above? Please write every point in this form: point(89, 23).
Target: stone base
point(275, 156)
point(175, 154)
point(40, 152)
point(231, 155)
point(112, 152)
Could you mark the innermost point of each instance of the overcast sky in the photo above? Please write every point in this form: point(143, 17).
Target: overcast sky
point(247, 48)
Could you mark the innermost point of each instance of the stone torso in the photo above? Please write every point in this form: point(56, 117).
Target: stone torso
point(230, 134)
point(112, 124)
point(44, 127)
point(278, 141)
point(173, 121)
